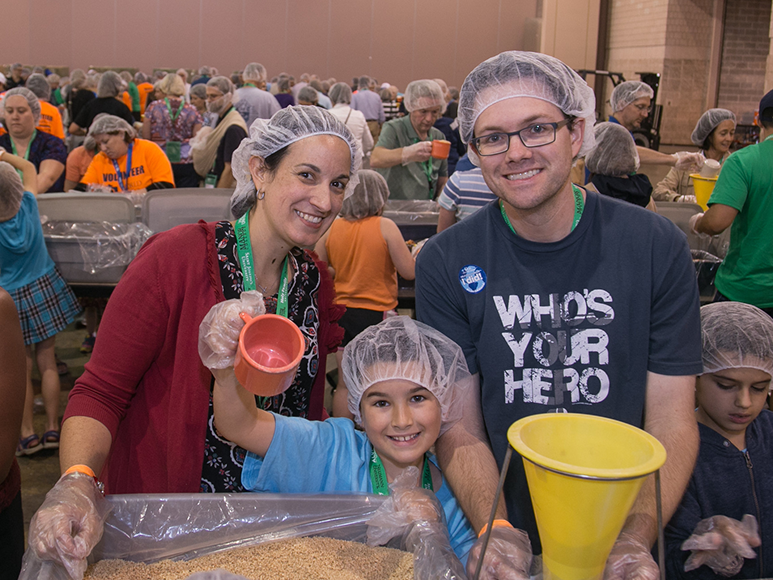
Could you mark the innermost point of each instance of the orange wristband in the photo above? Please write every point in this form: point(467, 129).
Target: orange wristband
point(495, 524)
point(80, 468)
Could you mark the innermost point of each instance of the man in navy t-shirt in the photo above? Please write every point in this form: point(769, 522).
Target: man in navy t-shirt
point(562, 301)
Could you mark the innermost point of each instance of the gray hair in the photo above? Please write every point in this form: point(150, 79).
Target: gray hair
point(110, 85)
point(38, 84)
point(340, 93)
point(32, 100)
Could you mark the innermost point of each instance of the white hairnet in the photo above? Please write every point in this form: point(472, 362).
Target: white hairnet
point(369, 197)
point(423, 95)
point(254, 72)
point(736, 335)
point(402, 348)
point(614, 153)
point(38, 84)
point(222, 84)
point(525, 74)
point(626, 93)
point(267, 136)
point(707, 123)
point(340, 93)
point(110, 85)
point(104, 123)
point(32, 100)
point(11, 192)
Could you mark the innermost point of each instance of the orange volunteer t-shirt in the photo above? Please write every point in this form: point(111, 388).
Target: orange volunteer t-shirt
point(149, 165)
point(78, 162)
point(144, 89)
point(50, 120)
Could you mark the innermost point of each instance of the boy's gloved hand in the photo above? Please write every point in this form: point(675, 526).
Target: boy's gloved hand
point(508, 555)
point(630, 559)
point(418, 152)
point(219, 331)
point(722, 543)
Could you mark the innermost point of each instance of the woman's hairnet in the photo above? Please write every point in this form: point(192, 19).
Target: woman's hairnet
point(32, 100)
point(110, 85)
point(222, 84)
point(614, 153)
point(172, 85)
point(199, 90)
point(308, 95)
point(254, 72)
point(736, 335)
point(105, 123)
point(525, 74)
point(340, 93)
point(267, 136)
point(626, 93)
point(369, 197)
point(11, 191)
point(423, 95)
point(38, 84)
point(403, 348)
point(707, 123)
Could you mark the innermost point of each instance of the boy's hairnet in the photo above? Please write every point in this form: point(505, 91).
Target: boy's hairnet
point(267, 136)
point(340, 93)
point(32, 100)
point(423, 95)
point(104, 123)
point(626, 93)
point(402, 348)
point(525, 74)
point(222, 84)
point(254, 72)
point(708, 122)
point(369, 197)
point(614, 153)
point(11, 191)
point(110, 85)
point(736, 335)
point(38, 84)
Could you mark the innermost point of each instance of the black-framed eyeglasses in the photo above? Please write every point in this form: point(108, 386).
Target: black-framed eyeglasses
point(535, 135)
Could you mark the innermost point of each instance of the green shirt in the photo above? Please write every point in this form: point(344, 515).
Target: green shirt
point(746, 184)
point(409, 181)
point(56, 97)
point(134, 94)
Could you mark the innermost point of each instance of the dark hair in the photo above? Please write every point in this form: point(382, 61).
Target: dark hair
point(766, 118)
point(271, 163)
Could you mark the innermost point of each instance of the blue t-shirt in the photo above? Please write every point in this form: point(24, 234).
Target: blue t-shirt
point(42, 148)
point(23, 254)
point(332, 456)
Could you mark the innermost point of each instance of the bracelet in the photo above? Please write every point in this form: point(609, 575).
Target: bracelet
point(86, 470)
point(495, 524)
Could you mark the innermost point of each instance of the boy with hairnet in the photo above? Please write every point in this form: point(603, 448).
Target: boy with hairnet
point(728, 505)
point(404, 381)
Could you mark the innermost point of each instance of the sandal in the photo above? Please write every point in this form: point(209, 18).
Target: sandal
point(51, 440)
point(61, 367)
point(29, 445)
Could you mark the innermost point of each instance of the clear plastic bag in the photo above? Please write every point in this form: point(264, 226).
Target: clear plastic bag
point(706, 266)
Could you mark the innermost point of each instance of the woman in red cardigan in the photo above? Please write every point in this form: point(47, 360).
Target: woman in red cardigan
point(140, 417)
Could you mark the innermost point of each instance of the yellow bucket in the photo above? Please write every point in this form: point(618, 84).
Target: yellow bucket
point(584, 473)
point(703, 187)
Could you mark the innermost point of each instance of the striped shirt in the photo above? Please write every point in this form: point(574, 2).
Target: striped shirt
point(465, 193)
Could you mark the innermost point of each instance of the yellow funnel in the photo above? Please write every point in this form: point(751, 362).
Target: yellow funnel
point(703, 187)
point(584, 473)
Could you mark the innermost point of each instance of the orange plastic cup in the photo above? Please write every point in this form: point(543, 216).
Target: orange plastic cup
point(270, 350)
point(441, 149)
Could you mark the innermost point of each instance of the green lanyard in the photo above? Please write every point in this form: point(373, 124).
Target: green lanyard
point(27, 153)
point(427, 167)
point(250, 85)
point(579, 205)
point(169, 108)
point(378, 476)
point(248, 269)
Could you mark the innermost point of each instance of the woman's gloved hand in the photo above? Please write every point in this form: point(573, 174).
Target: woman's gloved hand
point(722, 543)
point(219, 331)
point(690, 162)
point(508, 555)
point(69, 523)
point(630, 559)
point(418, 152)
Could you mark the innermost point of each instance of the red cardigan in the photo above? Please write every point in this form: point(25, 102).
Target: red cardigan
point(145, 381)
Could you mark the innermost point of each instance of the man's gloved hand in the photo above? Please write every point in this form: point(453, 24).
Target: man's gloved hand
point(694, 219)
point(722, 543)
point(690, 162)
point(630, 559)
point(69, 523)
point(417, 152)
point(508, 555)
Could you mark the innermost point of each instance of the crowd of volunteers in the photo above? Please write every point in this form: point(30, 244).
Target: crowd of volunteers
point(542, 292)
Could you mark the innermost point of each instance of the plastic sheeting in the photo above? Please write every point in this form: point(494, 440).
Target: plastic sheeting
point(706, 266)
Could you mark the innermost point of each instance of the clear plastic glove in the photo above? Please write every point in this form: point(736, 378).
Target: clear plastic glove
point(722, 543)
point(690, 162)
point(686, 199)
point(630, 559)
point(418, 152)
point(508, 555)
point(219, 331)
point(417, 248)
point(694, 219)
point(67, 526)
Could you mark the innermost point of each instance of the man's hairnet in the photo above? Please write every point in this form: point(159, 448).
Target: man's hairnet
point(32, 100)
point(11, 192)
point(38, 84)
point(626, 93)
point(267, 136)
point(340, 93)
point(525, 74)
point(308, 95)
point(736, 335)
point(254, 72)
point(110, 85)
point(199, 90)
point(614, 153)
point(424, 94)
point(363, 82)
point(369, 197)
point(403, 348)
point(222, 84)
point(105, 123)
point(708, 122)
